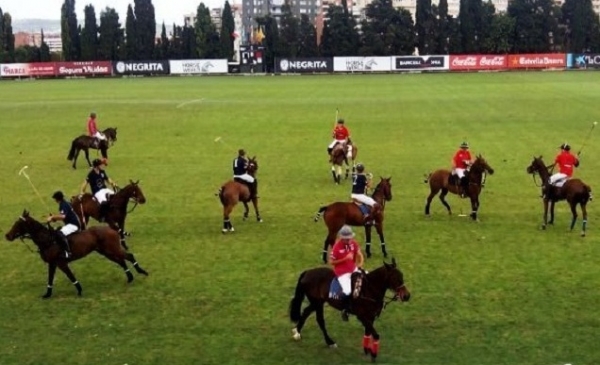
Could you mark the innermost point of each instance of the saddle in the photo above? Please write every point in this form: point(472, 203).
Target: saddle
point(364, 209)
point(335, 289)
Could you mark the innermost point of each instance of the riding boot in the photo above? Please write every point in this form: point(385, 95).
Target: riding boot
point(329, 149)
point(63, 242)
point(103, 211)
point(254, 189)
point(346, 302)
point(464, 183)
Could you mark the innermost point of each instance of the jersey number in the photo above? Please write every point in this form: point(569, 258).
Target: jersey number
point(354, 178)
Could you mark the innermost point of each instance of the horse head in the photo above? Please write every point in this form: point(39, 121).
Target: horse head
point(537, 165)
point(252, 166)
point(338, 154)
point(133, 192)
point(394, 280)
point(384, 187)
point(24, 226)
point(111, 134)
point(480, 166)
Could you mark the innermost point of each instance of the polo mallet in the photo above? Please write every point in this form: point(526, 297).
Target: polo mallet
point(337, 113)
point(220, 140)
point(23, 172)
point(587, 138)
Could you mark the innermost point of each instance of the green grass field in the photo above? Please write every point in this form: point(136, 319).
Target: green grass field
point(500, 291)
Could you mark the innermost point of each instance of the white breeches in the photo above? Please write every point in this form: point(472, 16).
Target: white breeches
point(101, 195)
point(100, 136)
point(363, 198)
point(459, 172)
point(247, 178)
point(68, 229)
point(346, 282)
point(336, 141)
point(349, 154)
point(558, 179)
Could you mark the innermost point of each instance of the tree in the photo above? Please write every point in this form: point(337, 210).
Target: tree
point(535, 25)
point(89, 35)
point(176, 43)
point(443, 29)
point(110, 41)
point(70, 32)
point(145, 28)
point(2, 36)
point(27, 54)
point(44, 50)
point(188, 42)
point(8, 39)
point(340, 36)
point(289, 32)
point(470, 25)
point(582, 26)
point(164, 43)
point(271, 41)
point(425, 27)
point(131, 38)
point(207, 38)
point(501, 30)
point(307, 46)
point(486, 20)
point(387, 31)
point(227, 31)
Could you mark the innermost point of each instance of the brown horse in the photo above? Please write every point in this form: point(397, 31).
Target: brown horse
point(446, 182)
point(574, 191)
point(233, 192)
point(340, 155)
point(85, 143)
point(103, 240)
point(314, 284)
point(86, 206)
point(337, 214)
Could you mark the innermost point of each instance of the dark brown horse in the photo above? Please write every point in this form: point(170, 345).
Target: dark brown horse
point(103, 240)
point(574, 191)
point(337, 214)
point(86, 206)
point(444, 180)
point(367, 305)
point(111, 135)
point(341, 154)
point(233, 192)
point(85, 143)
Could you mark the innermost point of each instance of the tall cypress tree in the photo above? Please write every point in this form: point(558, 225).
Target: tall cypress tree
point(145, 21)
point(227, 30)
point(2, 36)
point(131, 38)
point(70, 32)
point(44, 49)
point(110, 41)
point(89, 35)
point(208, 43)
point(443, 28)
point(9, 38)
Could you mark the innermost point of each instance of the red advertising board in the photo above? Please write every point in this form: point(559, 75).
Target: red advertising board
point(84, 68)
point(478, 62)
point(42, 69)
point(542, 60)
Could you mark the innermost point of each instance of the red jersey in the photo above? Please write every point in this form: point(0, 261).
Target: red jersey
point(340, 250)
point(461, 157)
point(566, 161)
point(92, 129)
point(341, 132)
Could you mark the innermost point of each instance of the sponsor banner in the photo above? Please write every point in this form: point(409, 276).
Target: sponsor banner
point(542, 60)
point(583, 60)
point(141, 67)
point(478, 62)
point(42, 69)
point(191, 67)
point(14, 70)
point(362, 64)
point(304, 65)
point(422, 63)
point(83, 68)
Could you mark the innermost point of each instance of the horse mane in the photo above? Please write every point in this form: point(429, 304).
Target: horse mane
point(122, 194)
point(38, 227)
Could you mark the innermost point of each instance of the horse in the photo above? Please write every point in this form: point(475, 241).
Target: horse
point(86, 206)
point(340, 154)
point(368, 300)
point(446, 182)
point(233, 192)
point(337, 214)
point(111, 135)
point(103, 240)
point(574, 191)
point(86, 143)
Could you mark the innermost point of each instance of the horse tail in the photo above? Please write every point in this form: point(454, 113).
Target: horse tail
point(219, 193)
point(320, 213)
point(427, 177)
point(296, 302)
point(588, 194)
point(71, 155)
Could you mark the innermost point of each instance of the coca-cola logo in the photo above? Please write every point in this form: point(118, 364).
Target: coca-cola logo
point(492, 61)
point(465, 62)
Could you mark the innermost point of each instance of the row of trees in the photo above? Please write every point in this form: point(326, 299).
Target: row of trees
point(527, 26)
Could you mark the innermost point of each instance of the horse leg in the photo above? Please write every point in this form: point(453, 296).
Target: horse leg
point(574, 212)
point(321, 321)
point(545, 222)
point(333, 174)
point(119, 229)
point(367, 341)
point(443, 200)
point(379, 228)
point(129, 257)
point(51, 272)
point(87, 156)
point(368, 240)
point(584, 215)
point(119, 259)
point(227, 226)
point(64, 267)
point(552, 204)
point(246, 210)
point(75, 159)
point(296, 331)
point(370, 331)
point(329, 241)
point(255, 204)
point(474, 207)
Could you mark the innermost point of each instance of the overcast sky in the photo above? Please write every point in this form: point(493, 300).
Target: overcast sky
point(169, 11)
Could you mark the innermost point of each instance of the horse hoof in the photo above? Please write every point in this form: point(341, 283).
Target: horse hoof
point(333, 346)
point(543, 227)
point(259, 220)
point(582, 234)
point(296, 335)
point(231, 229)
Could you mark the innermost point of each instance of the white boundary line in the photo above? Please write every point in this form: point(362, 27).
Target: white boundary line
point(189, 102)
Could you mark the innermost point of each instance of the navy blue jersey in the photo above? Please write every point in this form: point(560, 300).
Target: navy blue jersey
point(97, 180)
point(67, 210)
point(239, 166)
point(359, 184)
